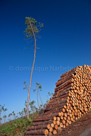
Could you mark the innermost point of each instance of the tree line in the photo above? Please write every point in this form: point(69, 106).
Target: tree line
point(23, 112)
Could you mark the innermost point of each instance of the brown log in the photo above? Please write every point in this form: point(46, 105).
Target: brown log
point(36, 127)
point(68, 87)
point(65, 114)
point(56, 126)
point(61, 117)
point(37, 132)
point(55, 112)
point(48, 126)
point(62, 80)
point(43, 118)
point(67, 124)
point(63, 85)
point(58, 118)
point(60, 93)
point(68, 73)
point(52, 125)
point(65, 118)
point(54, 132)
point(58, 123)
point(54, 118)
point(54, 108)
point(51, 106)
point(54, 122)
point(54, 101)
point(59, 97)
point(64, 122)
point(46, 132)
point(61, 125)
point(50, 129)
point(60, 113)
point(42, 123)
point(69, 118)
point(63, 110)
point(64, 126)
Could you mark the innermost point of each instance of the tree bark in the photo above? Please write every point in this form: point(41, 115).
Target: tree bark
point(31, 71)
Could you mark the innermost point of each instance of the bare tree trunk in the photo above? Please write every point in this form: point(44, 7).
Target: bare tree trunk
point(31, 72)
point(4, 120)
point(0, 118)
point(40, 99)
point(37, 98)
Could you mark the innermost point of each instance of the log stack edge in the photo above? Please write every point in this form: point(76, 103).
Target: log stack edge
point(71, 100)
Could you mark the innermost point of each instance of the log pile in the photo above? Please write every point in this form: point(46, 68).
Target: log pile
point(71, 100)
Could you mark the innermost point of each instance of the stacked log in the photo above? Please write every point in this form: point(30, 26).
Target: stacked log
point(71, 100)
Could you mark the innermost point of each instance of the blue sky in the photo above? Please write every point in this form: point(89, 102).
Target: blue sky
point(64, 44)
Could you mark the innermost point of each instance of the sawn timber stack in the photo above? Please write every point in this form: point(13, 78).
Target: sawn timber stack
point(71, 100)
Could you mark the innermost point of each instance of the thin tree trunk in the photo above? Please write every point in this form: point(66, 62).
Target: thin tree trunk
point(0, 118)
point(31, 71)
point(40, 99)
point(4, 120)
point(37, 98)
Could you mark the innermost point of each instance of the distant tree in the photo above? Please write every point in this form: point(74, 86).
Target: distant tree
point(0, 113)
point(32, 29)
point(32, 106)
point(25, 111)
point(36, 109)
point(16, 117)
point(13, 113)
point(26, 104)
point(4, 110)
point(4, 115)
point(20, 113)
point(0, 120)
point(50, 94)
point(10, 116)
point(3, 107)
point(4, 118)
point(38, 88)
